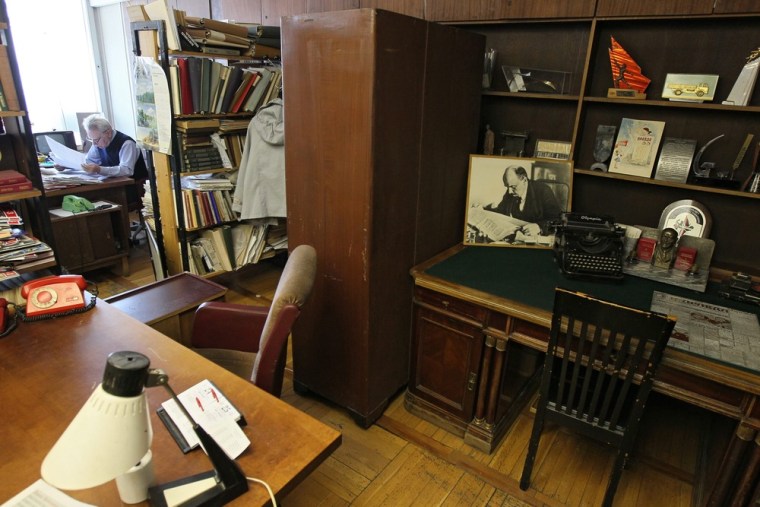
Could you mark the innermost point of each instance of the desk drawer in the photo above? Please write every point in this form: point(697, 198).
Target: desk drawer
point(451, 305)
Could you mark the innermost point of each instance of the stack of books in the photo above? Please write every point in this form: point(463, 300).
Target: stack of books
point(13, 181)
point(199, 153)
point(18, 250)
point(232, 246)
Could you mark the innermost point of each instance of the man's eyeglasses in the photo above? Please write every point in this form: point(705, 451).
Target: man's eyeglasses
point(96, 140)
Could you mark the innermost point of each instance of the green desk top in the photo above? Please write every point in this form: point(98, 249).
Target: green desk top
point(530, 276)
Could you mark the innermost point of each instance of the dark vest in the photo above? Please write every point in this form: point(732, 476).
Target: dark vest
point(110, 155)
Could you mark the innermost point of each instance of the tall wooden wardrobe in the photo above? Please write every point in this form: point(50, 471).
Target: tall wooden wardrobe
point(381, 113)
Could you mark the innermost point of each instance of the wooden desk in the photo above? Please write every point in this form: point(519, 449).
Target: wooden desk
point(111, 189)
point(481, 323)
point(169, 305)
point(49, 369)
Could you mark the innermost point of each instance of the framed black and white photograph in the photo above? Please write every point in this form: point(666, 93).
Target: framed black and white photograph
point(514, 201)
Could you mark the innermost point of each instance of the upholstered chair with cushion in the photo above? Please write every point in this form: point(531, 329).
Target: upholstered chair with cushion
point(251, 341)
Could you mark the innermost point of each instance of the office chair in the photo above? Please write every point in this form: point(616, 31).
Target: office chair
point(597, 375)
point(251, 341)
point(65, 137)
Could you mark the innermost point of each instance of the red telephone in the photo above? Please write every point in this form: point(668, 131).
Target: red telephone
point(54, 294)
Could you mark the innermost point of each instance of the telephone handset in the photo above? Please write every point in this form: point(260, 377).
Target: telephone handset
point(54, 294)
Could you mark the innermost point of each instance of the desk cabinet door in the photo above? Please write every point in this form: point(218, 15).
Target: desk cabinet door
point(445, 362)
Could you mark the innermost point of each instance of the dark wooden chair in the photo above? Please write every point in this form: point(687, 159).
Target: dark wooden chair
point(251, 341)
point(597, 374)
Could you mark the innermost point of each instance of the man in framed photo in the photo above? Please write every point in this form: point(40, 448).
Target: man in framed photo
point(527, 200)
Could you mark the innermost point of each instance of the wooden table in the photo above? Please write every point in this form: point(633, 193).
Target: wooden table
point(481, 324)
point(49, 368)
point(169, 305)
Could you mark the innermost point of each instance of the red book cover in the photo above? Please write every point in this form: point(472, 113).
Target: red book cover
point(15, 187)
point(11, 177)
point(246, 87)
point(186, 91)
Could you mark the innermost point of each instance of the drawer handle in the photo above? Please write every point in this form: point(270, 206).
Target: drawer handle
point(445, 304)
point(471, 381)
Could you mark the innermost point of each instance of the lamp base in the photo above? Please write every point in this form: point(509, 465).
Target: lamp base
point(190, 491)
point(133, 485)
point(195, 491)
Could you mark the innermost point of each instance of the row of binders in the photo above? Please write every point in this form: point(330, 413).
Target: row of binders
point(230, 247)
point(201, 85)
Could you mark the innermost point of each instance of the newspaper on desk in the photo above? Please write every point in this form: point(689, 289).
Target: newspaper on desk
point(713, 331)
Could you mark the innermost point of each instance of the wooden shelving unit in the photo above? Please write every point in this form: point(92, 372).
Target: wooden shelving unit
point(697, 43)
point(29, 204)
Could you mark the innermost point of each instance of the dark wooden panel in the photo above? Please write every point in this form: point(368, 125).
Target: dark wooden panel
point(736, 6)
point(652, 7)
point(446, 355)
point(523, 9)
point(245, 11)
point(414, 8)
point(456, 10)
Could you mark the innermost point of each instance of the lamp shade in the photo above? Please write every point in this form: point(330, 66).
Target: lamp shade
point(110, 434)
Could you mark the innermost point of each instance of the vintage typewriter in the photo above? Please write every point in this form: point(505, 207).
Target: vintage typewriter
point(589, 246)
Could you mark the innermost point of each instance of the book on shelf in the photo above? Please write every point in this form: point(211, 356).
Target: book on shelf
point(16, 187)
point(195, 125)
point(258, 91)
point(216, 50)
point(186, 92)
point(12, 177)
point(221, 239)
point(174, 83)
point(6, 80)
point(213, 36)
point(251, 77)
point(159, 10)
point(3, 101)
point(194, 74)
point(635, 149)
point(234, 79)
point(205, 84)
point(236, 29)
point(216, 102)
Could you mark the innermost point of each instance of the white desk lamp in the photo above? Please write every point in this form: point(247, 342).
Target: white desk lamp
point(110, 439)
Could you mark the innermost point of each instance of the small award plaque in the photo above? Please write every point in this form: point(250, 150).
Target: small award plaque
point(690, 87)
point(605, 138)
point(559, 150)
point(627, 77)
point(675, 159)
point(745, 83)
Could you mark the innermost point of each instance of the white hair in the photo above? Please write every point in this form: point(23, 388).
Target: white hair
point(96, 122)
